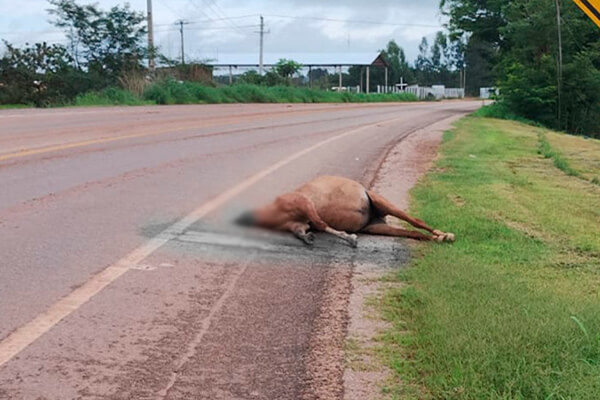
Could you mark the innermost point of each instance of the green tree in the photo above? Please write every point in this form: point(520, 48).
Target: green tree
point(38, 74)
point(320, 78)
point(287, 68)
point(251, 77)
point(105, 43)
point(514, 44)
point(423, 62)
point(399, 67)
point(474, 33)
point(439, 52)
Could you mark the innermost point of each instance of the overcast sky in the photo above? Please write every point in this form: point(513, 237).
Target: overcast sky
point(226, 28)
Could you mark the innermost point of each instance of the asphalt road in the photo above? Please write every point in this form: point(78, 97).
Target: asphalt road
point(119, 275)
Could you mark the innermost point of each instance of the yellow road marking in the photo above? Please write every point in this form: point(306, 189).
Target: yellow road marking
point(219, 121)
point(41, 150)
point(66, 146)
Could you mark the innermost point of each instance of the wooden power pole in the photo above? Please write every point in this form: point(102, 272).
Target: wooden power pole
point(262, 34)
point(262, 37)
point(181, 23)
point(560, 64)
point(150, 37)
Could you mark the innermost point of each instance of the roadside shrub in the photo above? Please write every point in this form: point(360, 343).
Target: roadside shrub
point(134, 81)
point(253, 94)
point(176, 92)
point(169, 92)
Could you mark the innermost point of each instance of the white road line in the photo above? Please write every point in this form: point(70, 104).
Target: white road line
point(31, 331)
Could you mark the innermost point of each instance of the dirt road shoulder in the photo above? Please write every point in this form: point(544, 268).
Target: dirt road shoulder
point(365, 377)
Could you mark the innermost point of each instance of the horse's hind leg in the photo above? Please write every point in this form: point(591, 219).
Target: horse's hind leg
point(381, 228)
point(384, 207)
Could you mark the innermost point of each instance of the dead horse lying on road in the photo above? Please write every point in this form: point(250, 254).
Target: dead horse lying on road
point(338, 206)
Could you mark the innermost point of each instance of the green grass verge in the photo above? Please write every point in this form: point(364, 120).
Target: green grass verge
point(574, 158)
point(581, 153)
point(560, 162)
point(501, 111)
point(512, 309)
point(109, 97)
point(13, 106)
point(173, 92)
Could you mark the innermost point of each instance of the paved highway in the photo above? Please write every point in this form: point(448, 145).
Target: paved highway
point(119, 277)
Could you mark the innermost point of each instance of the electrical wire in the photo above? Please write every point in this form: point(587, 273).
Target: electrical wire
point(353, 21)
point(173, 29)
point(206, 21)
point(213, 7)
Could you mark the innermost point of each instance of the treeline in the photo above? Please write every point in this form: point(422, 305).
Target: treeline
point(105, 48)
point(438, 63)
point(515, 45)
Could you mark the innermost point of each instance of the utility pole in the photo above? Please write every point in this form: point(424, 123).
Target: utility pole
point(181, 23)
point(560, 63)
point(150, 37)
point(262, 34)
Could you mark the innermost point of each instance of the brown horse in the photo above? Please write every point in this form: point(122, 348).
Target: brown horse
point(338, 206)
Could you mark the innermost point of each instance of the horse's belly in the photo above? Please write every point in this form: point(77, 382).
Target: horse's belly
point(348, 219)
point(342, 203)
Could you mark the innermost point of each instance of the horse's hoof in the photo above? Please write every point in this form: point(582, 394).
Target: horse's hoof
point(450, 237)
point(353, 240)
point(309, 238)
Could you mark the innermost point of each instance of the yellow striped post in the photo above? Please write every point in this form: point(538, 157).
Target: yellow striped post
point(591, 8)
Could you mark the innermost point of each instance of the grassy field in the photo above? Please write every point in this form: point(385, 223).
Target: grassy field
point(512, 309)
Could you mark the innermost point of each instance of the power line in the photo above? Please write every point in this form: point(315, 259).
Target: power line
point(31, 32)
point(216, 28)
point(213, 7)
point(166, 4)
point(210, 19)
point(206, 21)
point(353, 21)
